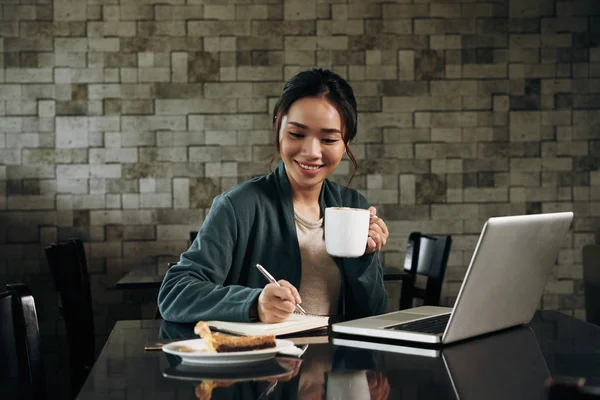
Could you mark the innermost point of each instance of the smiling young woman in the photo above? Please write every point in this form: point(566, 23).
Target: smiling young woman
point(277, 220)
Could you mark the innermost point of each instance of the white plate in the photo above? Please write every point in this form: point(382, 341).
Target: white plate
point(238, 357)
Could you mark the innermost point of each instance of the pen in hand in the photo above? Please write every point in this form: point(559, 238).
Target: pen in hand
point(272, 280)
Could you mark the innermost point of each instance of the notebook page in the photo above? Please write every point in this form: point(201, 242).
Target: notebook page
point(295, 323)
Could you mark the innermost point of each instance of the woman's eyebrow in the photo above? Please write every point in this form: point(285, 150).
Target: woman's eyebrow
point(326, 130)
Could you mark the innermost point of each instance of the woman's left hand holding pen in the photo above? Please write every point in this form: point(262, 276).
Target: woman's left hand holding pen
point(277, 303)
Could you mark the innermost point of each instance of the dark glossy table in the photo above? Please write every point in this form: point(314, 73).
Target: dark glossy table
point(512, 364)
point(142, 278)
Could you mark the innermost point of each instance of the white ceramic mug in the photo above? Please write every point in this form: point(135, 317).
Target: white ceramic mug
point(346, 231)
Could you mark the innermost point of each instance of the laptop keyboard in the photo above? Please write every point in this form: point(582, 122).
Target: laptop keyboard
point(433, 325)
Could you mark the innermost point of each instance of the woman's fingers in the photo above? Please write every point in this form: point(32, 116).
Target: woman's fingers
point(283, 293)
point(378, 233)
point(294, 291)
point(277, 302)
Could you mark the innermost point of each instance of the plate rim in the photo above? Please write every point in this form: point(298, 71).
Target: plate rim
point(279, 345)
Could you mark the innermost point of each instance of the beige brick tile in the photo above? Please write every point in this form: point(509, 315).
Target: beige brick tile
point(299, 10)
point(525, 125)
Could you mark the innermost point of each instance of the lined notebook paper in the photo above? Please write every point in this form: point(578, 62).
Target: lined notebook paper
point(295, 323)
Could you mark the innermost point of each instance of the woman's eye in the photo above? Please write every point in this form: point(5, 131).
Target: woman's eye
point(329, 141)
point(296, 135)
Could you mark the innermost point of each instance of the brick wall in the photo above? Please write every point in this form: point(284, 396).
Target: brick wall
point(120, 120)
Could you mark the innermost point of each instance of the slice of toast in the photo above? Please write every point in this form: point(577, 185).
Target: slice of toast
point(218, 343)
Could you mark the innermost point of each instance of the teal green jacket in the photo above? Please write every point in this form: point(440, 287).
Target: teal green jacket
point(215, 279)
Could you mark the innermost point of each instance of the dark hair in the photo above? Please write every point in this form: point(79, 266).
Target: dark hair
point(316, 83)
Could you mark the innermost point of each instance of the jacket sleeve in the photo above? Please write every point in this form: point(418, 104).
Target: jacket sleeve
point(193, 290)
point(365, 293)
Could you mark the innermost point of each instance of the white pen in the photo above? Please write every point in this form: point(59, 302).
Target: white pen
point(272, 280)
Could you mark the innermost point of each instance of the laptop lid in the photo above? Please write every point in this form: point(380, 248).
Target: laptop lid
point(507, 274)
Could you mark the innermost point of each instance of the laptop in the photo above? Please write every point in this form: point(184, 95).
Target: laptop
point(502, 287)
point(504, 365)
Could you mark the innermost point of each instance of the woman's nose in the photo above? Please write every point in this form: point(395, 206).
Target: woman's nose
point(312, 147)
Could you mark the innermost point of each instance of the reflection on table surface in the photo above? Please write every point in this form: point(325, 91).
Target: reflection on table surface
point(510, 364)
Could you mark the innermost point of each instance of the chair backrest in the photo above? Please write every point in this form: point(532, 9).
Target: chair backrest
point(427, 255)
point(591, 282)
point(21, 364)
point(69, 272)
point(193, 235)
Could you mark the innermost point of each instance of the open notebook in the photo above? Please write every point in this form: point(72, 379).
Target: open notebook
point(295, 323)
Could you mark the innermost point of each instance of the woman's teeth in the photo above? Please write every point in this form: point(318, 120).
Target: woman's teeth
point(309, 167)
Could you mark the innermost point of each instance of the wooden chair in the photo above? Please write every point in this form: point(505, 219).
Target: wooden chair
point(21, 363)
point(68, 268)
point(193, 235)
point(591, 282)
point(425, 255)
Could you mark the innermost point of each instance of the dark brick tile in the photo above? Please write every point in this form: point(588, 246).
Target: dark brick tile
point(31, 186)
point(114, 232)
point(122, 186)
point(373, 27)
point(14, 186)
point(500, 10)
point(29, 60)
point(203, 66)
point(12, 59)
point(492, 26)
point(455, 57)
point(594, 148)
point(79, 91)
point(202, 192)
point(260, 58)
point(429, 64)
point(430, 188)
point(524, 25)
point(243, 58)
point(112, 106)
point(586, 163)
point(469, 179)
point(585, 40)
point(484, 56)
point(404, 88)
point(533, 207)
point(569, 178)
point(81, 217)
point(583, 101)
point(178, 90)
point(71, 107)
point(572, 55)
point(533, 86)
point(468, 56)
point(563, 101)
point(492, 149)
point(348, 57)
point(527, 102)
point(486, 179)
point(120, 60)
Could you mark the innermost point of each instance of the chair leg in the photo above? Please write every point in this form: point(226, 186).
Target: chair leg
point(407, 293)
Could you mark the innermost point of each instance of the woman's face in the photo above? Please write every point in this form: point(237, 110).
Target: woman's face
point(310, 142)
